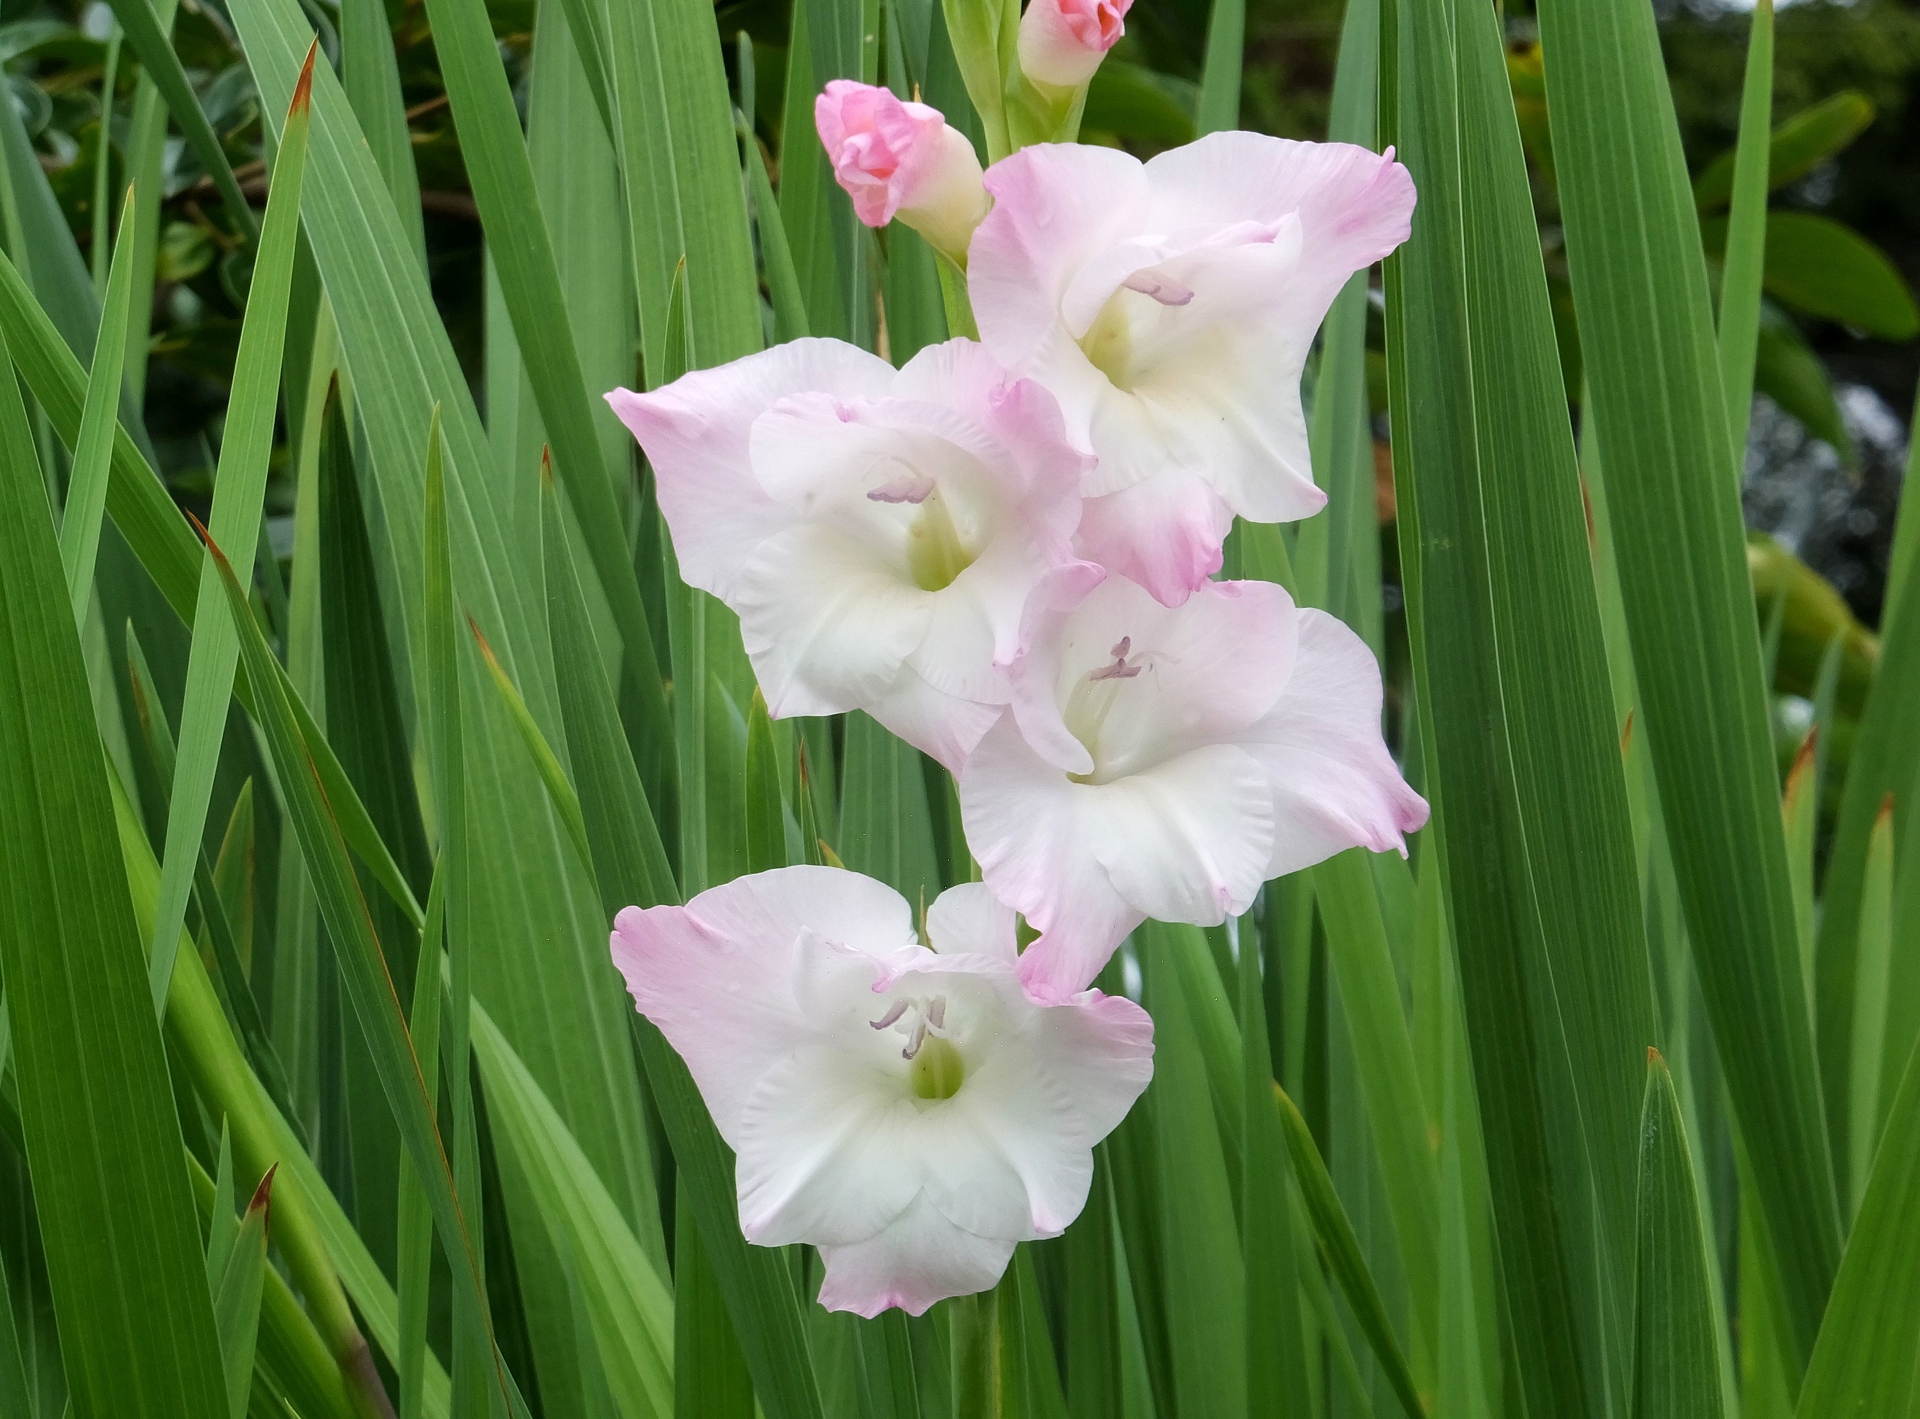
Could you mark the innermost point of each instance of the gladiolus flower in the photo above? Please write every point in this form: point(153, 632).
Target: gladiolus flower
point(877, 531)
point(901, 159)
point(1164, 763)
point(914, 1115)
point(1170, 307)
point(1063, 41)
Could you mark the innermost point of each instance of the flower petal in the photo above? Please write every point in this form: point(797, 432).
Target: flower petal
point(826, 625)
point(1165, 533)
point(943, 726)
point(695, 433)
point(1188, 840)
point(920, 1259)
point(1026, 823)
point(1333, 784)
point(970, 920)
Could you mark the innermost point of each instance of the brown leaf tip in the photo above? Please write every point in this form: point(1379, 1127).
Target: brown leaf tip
point(207, 537)
point(263, 1198)
point(1654, 1058)
point(546, 466)
point(1886, 810)
point(303, 88)
point(1804, 756)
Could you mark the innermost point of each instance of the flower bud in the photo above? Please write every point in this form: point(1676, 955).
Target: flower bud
point(1063, 41)
point(899, 159)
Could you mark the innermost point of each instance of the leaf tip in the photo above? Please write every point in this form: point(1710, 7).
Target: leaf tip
point(303, 88)
point(262, 1201)
point(546, 466)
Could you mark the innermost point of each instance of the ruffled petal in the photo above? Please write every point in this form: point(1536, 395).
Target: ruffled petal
point(921, 1258)
point(695, 433)
point(1189, 839)
point(1333, 783)
point(942, 726)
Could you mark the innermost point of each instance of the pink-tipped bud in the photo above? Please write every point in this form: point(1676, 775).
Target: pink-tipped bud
point(1063, 41)
point(898, 159)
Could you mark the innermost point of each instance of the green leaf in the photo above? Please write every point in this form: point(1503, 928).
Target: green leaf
point(413, 1244)
point(236, 1300)
point(1819, 267)
point(1203, 1274)
point(1676, 1367)
point(1333, 1231)
point(1657, 406)
point(885, 827)
point(93, 450)
point(674, 134)
point(364, 972)
point(239, 490)
point(1788, 372)
point(627, 1300)
point(1872, 1079)
point(123, 1256)
point(1746, 229)
point(1864, 1361)
point(783, 279)
point(370, 73)
point(1521, 748)
point(1885, 760)
point(710, 1375)
point(1220, 68)
point(766, 810)
point(1276, 1357)
point(1795, 148)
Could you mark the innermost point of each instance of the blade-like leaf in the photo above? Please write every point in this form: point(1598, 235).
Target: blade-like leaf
point(239, 490)
point(1747, 229)
point(1795, 148)
point(236, 1300)
point(102, 1138)
point(1676, 1369)
point(1865, 1361)
point(93, 450)
point(1657, 406)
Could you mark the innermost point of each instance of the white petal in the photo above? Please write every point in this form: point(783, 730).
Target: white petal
point(826, 624)
point(1333, 784)
point(921, 1258)
point(943, 726)
point(969, 919)
point(1188, 840)
point(1026, 823)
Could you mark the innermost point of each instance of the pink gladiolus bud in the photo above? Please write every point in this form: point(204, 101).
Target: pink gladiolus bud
point(898, 159)
point(1063, 41)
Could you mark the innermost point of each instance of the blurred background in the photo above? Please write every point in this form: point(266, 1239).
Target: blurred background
point(1838, 360)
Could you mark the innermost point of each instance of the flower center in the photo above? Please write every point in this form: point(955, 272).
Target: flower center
point(1093, 699)
point(937, 552)
point(1108, 343)
point(935, 1069)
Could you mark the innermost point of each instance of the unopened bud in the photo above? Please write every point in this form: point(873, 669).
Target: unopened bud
point(1063, 41)
point(901, 160)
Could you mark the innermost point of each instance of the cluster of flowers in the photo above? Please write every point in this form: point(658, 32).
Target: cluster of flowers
point(1002, 552)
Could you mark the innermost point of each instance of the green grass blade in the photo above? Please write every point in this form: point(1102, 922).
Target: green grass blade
point(1885, 760)
point(674, 134)
point(766, 809)
point(162, 65)
point(1362, 959)
point(1276, 1357)
point(1746, 252)
point(1515, 710)
point(1657, 404)
point(371, 76)
point(363, 968)
point(522, 250)
point(566, 803)
point(710, 1375)
point(414, 1216)
point(236, 1300)
point(1864, 1361)
point(1333, 1231)
point(1872, 1004)
point(239, 491)
point(886, 829)
point(115, 1216)
point(93, 450)
point(1204, 1278)
point(783, 278)
point(1676, 1368)
point(1220, 68)
point(627, 1299)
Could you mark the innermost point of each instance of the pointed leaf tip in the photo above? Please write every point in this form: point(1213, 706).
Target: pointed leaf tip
point(546, 466)
point(303, 88)
point(262, 1201)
